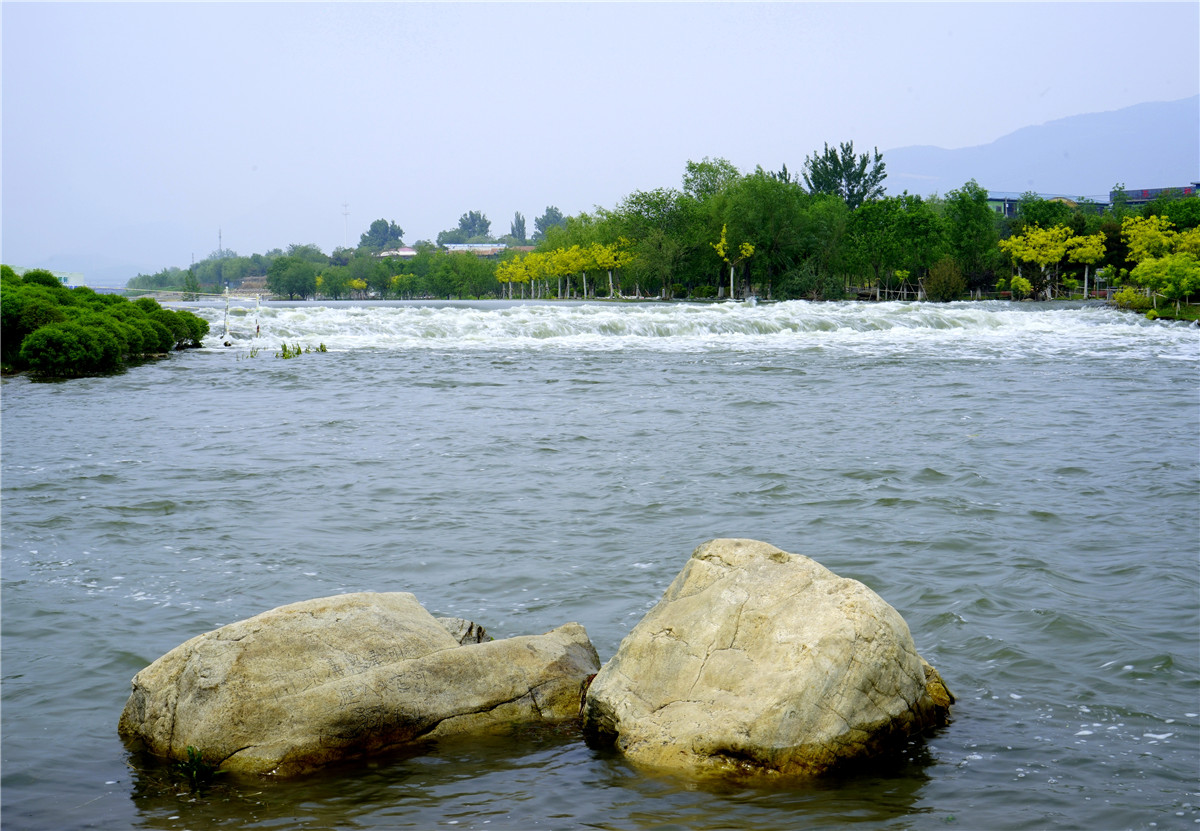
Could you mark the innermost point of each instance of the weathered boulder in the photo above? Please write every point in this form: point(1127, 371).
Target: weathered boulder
point(757, 662)
point(300, 686)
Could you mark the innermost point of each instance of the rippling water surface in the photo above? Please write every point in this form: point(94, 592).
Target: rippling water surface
point(1019, 480)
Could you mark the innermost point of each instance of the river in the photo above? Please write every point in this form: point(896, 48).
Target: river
point(1021, 481)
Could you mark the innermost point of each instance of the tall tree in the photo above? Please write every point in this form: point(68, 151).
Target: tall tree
point(856, 179)
point(517, 229)
point(971, 233)
point(381, 236)
point(474, 224)
point(551, 218)
point(292, 276)
point(707, 178)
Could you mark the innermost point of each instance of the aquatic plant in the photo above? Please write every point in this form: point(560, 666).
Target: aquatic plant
point(199, 773)
point(286, 351)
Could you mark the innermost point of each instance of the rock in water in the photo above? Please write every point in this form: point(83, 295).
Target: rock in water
point(760, 662)
point(297, 687)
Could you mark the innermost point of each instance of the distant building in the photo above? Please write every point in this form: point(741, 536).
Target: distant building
point(1141, 197)
point(67, 278)
point(483, 249)
point(1006, 203)
point(403, 251)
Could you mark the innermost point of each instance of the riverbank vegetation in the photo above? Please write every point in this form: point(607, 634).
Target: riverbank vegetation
point(828, 232)
point(53, 331)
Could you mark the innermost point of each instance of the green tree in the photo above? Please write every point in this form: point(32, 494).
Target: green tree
point(944, 281)
point(307, 252)
point(1174, 276)
point(382, 236)
point(551, 218)
point(1045, 213)
point(856, 179)
point(704, 179)
point(517, 228)
point(334, 283)
point(292, 276)
point(1184, 212)
point(475, 225)
point(971, 235)
point(771, 214)
point(873, 239)
point(191, 286)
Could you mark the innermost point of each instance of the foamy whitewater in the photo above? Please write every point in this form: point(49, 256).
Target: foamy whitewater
point(873, 328)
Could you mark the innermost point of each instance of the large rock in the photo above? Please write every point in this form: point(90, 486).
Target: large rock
point(294, 688)
point(757, 662)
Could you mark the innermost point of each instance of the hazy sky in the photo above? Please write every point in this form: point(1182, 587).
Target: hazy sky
point(133, 132)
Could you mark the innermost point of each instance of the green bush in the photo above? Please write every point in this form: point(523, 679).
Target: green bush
point(944, 282)
point(23, 310)
point(197, 326)
point(1131, 298)
point(57, 332)
point(1020, 287)
point(68, 350)
point(41, 277)
point(807, 282)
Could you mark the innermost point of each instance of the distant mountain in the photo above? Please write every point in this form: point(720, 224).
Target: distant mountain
point(1154, 145)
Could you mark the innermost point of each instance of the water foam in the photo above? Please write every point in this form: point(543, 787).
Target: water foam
point(982, 331)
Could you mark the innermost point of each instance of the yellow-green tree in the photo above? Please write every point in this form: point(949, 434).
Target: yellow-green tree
point(1088, 250)
point(1173, 276)
point(1167, 262)
point(1148, 236)
point(1188, 241)
point(1044, 247)
point(513, 270)
point(539, 269)
point(565, 262)
point(744, 252)
point(611, 257)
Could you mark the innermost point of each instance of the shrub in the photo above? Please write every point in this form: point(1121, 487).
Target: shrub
point(181, 333)
point(197, 326)
point(1131, 298)
point(23, 310)
point(1020, 287)
point(68, 350)
point(41, 277)
point(944, 282)
point(163, 340)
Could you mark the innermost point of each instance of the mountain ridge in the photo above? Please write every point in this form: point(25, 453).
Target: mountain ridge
point(1150, 145)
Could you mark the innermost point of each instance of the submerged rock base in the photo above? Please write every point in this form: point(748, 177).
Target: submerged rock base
point(762, 663)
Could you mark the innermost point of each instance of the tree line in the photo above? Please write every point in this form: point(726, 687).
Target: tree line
point(827, 232)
